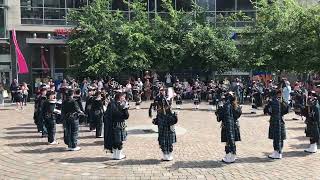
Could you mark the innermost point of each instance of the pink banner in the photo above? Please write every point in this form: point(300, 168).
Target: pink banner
point(22, 65)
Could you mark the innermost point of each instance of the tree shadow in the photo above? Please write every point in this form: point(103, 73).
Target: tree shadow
point(27, 144)
point(43, 151)
point(197, 164)
point(85, 160)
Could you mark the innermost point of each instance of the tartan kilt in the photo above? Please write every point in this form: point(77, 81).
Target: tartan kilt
point(236, 134)
point(274, 133)
point(167, 136)
point(313, 130)
point(119, 135)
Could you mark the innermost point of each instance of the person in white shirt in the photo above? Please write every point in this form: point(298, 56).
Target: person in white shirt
point(286, 92)
point(168, 79)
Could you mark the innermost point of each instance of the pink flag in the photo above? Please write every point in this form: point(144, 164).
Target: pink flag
point(44, 63)
point(22, 65)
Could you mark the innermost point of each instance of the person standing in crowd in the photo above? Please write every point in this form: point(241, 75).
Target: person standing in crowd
point(168, 80)
point(312, 114)
point(1, 94)
point(128, 90)
point(276, 108)
point(40, 121)
point(13, 90)
point(84, 88)
point(165, 120)
point(70, 114)
point(97, 109)
point(286, 92)
point(49, 116)
point(147, 89)
point(228, 115)
point(78, 99)
point(115, 126)
point(25, 93)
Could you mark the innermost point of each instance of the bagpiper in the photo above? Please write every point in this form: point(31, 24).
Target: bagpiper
point(165, 120)
point(312, 114)
point(137, 91)
point(178, 93)
point(70, 114)
point(228, 114)
point(97, 113)
point(276, 108)
point(49, 112)
point(115, 126)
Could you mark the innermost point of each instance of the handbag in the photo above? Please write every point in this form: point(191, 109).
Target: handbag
point(5, 94)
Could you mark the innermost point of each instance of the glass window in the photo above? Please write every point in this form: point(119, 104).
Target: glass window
point(2, 23)
point(185, 5)
point(60, 57)
point(207, 4)
point(151, 5)
point(54, 3)
point(31, 3)
point(4, 49)
point(76, 3)
point(119, 5)
point(39, 56)
point(1, 1)
point(244, 5)
point(225, 5)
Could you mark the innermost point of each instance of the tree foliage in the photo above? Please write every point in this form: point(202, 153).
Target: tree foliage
point(105, 41)
point(284, 37)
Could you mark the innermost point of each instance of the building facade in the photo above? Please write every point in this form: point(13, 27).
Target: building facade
point(41, 27)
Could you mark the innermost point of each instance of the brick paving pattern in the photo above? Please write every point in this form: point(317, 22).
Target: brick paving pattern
point(198, 153)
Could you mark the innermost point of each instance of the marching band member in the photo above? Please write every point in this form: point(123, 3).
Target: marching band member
point(276, 108)
point(97, 115)
point(178, 91)
point(115, 125)
point(137, 91)
point(49, 115)
point(165, 120)
point(228, 114)
point(312, 113)
point(70, 114)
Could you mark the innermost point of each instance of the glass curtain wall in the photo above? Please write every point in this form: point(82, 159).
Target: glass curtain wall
point(54, 12)
point(48, 12)
point(3, 18)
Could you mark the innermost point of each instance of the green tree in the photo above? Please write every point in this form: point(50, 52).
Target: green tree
point(284, 37)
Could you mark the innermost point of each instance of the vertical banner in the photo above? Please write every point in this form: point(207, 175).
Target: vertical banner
point(22, 65)
point(44, 63)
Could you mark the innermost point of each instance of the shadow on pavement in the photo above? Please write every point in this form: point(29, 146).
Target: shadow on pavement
point(22, 137)
point(254, 159)
point(20, 132)
point(301, 138)
point(43, 151)
point(85, 159)
point(139, 162)
point(300, 146)
point(197, 164)
point(296, 128)
point(27, 144)
point(17, 128)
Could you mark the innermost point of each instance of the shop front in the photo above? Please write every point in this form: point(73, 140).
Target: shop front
point(49, 58)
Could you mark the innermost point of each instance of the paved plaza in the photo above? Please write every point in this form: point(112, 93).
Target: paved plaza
point(198, 153)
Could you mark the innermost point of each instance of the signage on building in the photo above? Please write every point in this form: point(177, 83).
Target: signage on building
point(62, 33)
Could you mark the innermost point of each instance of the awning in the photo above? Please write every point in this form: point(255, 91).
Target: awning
point(45, 41)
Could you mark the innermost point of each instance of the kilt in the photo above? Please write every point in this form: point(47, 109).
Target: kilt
point(167, 135)
point(119, 135)
point(236, 134)
point(313, 130)
point(277, 132)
